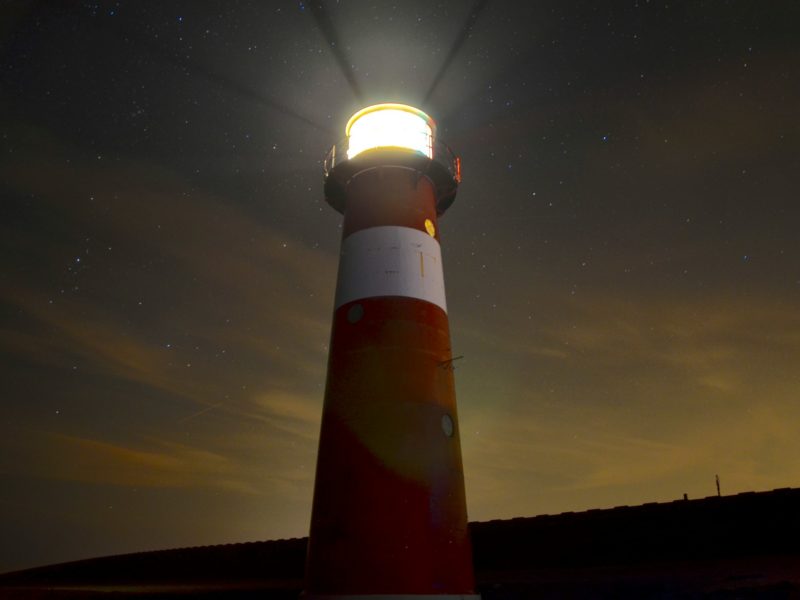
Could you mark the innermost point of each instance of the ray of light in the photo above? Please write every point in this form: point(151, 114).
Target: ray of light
point(220, 80)
point(325, 25)
point(474, 13)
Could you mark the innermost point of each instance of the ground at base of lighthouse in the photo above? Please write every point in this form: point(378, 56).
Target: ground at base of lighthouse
point(395, 597)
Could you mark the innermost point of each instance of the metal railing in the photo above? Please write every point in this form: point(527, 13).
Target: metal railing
point(440, 152)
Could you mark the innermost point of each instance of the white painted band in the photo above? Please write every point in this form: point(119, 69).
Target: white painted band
point(390, 261)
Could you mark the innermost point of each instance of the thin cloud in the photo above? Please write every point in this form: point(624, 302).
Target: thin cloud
point(160, 463)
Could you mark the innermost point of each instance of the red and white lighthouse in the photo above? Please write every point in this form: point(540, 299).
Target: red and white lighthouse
point(389, 517)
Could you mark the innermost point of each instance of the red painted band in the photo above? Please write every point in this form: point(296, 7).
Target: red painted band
point(389, 511)
point(389, 196)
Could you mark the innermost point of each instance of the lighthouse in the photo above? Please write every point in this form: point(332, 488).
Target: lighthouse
point(389, 516)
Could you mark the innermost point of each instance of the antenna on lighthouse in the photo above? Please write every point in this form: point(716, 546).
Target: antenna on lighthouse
point(389, 516)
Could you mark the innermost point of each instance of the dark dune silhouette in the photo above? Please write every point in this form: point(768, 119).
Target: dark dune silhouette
point(742, 546)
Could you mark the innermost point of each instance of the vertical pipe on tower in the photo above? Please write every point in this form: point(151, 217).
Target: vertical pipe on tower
point(389, 515)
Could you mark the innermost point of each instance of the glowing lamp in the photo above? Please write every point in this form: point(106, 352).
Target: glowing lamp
point(390, 126)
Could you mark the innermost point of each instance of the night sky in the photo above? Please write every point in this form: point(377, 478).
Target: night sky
point(622, 261)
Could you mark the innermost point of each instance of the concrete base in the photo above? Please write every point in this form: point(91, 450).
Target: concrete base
point(305, 596)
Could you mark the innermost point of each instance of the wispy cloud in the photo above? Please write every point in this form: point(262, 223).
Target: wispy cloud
point(671, 392)
point(157, 463)
point(153, 293)
point(123, 306)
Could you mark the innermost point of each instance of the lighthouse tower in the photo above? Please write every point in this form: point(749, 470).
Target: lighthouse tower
point(389, 518)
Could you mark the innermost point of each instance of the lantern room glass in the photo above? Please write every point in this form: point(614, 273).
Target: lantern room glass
point(390, 126)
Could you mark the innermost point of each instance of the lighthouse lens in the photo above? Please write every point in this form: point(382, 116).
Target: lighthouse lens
point(389, 127)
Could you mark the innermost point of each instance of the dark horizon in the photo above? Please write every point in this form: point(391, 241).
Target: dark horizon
point(740, 546)
point(621, 261)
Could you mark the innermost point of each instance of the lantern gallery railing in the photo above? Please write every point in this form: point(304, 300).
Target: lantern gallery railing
point(397, 127)
point(437, 151)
